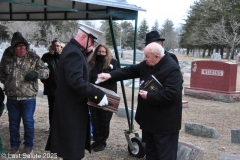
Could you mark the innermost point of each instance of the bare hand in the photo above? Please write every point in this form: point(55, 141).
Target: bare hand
point(143, 94)
point(103, 77)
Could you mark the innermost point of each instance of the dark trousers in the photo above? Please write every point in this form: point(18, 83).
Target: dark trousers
point(100, 124)
point(51, 103)
point(161, 147)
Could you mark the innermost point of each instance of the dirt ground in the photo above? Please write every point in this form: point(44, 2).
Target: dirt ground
point(222, 116)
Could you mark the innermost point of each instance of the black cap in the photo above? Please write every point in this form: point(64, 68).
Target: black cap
point(55, 40)
point(17, 34)
point(153, 36)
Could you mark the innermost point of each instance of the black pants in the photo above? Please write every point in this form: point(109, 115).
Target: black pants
point(100, 124)
point(51, 103)
point(161, 147)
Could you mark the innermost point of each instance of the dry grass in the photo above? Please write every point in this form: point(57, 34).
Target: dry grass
point(220, 115)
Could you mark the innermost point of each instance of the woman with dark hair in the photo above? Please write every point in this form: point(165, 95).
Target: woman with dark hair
point(51, 59)
point(101, 61)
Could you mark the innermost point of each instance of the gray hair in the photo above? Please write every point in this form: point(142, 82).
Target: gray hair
point(155, 48)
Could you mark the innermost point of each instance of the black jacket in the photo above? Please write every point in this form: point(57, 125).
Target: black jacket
point(50, 84)
point(161, 112)
point(97, 69)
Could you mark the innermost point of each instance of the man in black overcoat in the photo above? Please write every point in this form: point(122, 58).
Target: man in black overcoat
point(69, 135)
point(159, 112)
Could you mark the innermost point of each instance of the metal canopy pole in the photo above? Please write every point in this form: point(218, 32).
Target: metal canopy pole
point(118, 61)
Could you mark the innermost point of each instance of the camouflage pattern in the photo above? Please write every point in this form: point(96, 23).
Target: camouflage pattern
point(13, 70)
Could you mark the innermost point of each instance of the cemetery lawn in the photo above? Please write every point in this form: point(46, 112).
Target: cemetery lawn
point(222, 116)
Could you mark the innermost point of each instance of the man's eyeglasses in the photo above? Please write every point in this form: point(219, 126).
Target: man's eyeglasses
point(20, 46)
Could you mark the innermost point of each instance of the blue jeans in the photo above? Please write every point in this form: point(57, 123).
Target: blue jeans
point(91, 128)
point(21, 109)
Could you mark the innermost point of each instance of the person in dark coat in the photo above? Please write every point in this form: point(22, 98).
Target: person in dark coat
point(2, 97)
point(158, 113)
point(70, 132)
point(51, 59)
point(154, 36)
point(101, 61)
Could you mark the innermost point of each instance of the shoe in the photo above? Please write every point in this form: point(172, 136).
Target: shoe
point(100, 147)
point(14, 151)
point(27, 151)
point(47, 130)
point(94, 145)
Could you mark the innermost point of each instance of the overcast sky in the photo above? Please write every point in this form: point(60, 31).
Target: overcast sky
point(160, 10)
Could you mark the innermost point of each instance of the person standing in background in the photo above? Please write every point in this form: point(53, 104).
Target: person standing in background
point(101, 61)
point(154, 36)
point(2, 96)
point(50, 85)
point(20, 70)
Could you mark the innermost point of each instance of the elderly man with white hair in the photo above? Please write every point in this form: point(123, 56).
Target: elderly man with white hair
point(159, 112)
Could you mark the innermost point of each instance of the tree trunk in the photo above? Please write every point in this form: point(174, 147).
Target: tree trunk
point(232, 53)
point(221, 51)
point(203, 54)
point(188, 51)
point(209, 52)
point(228, 53)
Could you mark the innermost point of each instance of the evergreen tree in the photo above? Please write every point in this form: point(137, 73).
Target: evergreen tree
point(171, 37)
point(155, 27)
point(127, 34)
point(142, 30)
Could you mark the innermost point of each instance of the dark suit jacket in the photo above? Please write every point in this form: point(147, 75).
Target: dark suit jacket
point(70, 124)
point(161, 112)
point(173, 56)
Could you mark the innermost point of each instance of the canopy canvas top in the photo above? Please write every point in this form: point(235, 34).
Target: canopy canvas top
point(40, 10)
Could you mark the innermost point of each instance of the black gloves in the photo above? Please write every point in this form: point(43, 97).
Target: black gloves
point(31, 75)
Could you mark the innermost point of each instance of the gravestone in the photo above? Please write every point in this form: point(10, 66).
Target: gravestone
point(216, 57)
point(238, 59)
point(235, 136)
point(201, 130)
point(188, 151)
point(215, 80)
point(227, 156)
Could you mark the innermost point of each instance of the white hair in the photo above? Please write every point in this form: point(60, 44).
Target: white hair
point(155, 48)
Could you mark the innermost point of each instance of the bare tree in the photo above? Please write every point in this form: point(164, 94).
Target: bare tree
point(222, 34)
point(52, 33)
point(30, 32)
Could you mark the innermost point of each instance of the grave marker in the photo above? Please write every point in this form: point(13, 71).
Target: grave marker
point(213, 80)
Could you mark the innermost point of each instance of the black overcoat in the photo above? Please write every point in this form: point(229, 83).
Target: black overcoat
point(70, 134)
point(161, 112)
point(50, 84)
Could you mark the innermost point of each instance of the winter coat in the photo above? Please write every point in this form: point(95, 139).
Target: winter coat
point(13, 70)
point(51, 58)
point(70, 134)
point(97, 69)
point(161, 112)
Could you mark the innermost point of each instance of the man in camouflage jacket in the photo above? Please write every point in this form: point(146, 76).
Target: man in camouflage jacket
point(20, 70)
